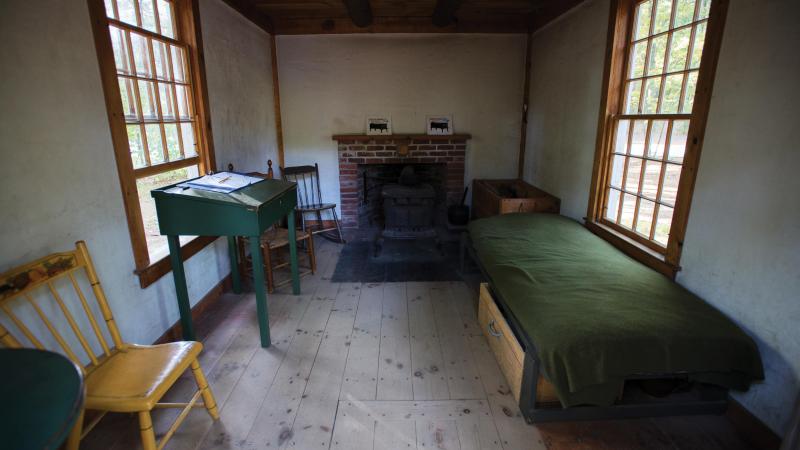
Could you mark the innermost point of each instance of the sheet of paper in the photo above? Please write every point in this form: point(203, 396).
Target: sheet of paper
point(224, 182)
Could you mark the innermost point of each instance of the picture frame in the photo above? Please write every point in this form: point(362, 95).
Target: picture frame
point(379, 125)
point(439, 125)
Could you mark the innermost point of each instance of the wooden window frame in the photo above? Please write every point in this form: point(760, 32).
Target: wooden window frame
point(188, 27)
point(621, 22)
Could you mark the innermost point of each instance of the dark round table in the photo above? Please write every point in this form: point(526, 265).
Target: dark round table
point(42, 395)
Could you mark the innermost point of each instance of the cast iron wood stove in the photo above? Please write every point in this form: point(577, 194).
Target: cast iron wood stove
point(408, 210)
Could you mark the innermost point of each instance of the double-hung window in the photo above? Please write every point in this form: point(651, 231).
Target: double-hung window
point(659, 79)
point(155, 96)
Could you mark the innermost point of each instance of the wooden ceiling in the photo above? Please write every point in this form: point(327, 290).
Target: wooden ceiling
point(402, 16)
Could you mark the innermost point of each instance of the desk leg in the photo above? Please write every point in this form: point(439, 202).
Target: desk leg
point(293, 253)
point(180, 288)
point(261, 294)
point(236, 279)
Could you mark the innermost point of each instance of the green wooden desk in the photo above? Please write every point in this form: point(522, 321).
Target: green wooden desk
point(42, 393)
point(246, 212)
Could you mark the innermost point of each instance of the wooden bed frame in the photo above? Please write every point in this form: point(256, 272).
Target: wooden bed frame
point(518, 359)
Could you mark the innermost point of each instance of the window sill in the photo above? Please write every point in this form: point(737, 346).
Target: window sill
point(635, 250)
point(150, 274)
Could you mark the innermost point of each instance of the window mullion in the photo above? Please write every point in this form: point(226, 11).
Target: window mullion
point(157, 97)
point(140, 113)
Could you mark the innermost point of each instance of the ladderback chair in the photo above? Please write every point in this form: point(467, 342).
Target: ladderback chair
point(45, 305)
point(309, 201)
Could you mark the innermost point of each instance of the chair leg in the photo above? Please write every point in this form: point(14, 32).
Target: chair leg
point(74, 438)
point(311, 257)
point(146, 430)
point(338, 226)
point(268, 268)
point(205, 390)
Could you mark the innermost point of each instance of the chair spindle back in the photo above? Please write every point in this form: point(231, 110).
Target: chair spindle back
point(40, 286)
point(308, 186)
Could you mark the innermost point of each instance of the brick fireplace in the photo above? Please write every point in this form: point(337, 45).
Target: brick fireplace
point(362, 150)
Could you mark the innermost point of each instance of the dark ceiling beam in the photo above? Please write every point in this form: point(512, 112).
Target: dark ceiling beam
point(359, 11)
point(444, 13)
point(252, 13)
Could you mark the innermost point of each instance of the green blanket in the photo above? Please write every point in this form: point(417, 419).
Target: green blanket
point(596, 316)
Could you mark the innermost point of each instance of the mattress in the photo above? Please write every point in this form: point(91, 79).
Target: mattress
point(596, 317)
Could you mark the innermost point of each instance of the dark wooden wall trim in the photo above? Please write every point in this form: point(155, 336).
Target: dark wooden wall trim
point(523, 133)
point(175, 332)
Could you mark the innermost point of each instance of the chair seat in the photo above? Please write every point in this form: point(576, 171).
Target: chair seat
point(279, 237)
point(137, 376)
point(315, 207)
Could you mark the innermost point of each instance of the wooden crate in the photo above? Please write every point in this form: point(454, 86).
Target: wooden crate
point(493, 197)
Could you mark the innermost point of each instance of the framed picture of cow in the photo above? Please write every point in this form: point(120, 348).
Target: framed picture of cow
point(379, 125)
point(440, 124)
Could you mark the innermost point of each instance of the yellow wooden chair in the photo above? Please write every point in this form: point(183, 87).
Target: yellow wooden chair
point(36, 311)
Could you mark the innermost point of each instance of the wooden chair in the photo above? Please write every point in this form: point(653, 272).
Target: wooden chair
point(276, 238)
point(43, 305)
point(309, 200)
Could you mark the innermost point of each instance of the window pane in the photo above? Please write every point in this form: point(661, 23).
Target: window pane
point(121, 52)
point(147, 10)
point(157, 244)
point(688, 97)
point(632, 176)
point(154, 143)
point(643, 13)
point(632, 93)
point(677, 142)
point(639, 135)
point(166, 99)
point(705, 8)
point(663, 16)
point(672, 94)
point(669, 190)
point(136, 146)
point(162, 63)
point(128, 94)
point(658, 139)
point(173, 144)
point(644, 220)
point(621, 139)
point(697, 48)
point(183, 102)
point(658, 49)
point(109, 9)
point(651, 92)
point(189, 145)
point(127, 12)
point(684, 12)
point(617, 167)
point(141, 55)
point(679, 48)
point(652, 172)
point(613, 205)
point(178, 64)
point(628, 208)
point(663, 224)
point(637, 60)
point(147, 92)
point(166, 18)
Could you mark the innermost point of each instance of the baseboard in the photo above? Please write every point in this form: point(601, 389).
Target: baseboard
point(325, 223)
point(175, 332)
point(751, 428)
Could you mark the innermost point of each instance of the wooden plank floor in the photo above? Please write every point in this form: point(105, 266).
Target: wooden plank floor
point(374, 366)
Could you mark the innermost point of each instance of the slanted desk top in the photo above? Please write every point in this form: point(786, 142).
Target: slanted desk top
point(245, 212)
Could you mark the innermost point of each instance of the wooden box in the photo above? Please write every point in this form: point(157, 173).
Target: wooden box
point(493, 197)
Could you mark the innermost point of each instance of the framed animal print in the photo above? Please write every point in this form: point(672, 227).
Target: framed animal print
point(440, 124)
point(379, 125)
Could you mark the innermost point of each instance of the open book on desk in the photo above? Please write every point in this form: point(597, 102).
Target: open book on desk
point(225, 182)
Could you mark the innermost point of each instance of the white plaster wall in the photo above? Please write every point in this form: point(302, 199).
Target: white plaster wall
point(330, 83)
point(566, 78)
point(58, 178)
point(239, 76)
point(742, 247)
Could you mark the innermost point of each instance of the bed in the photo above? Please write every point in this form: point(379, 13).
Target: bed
point(574, 322)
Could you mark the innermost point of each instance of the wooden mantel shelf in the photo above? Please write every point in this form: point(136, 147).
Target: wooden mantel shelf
point(395, 137)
